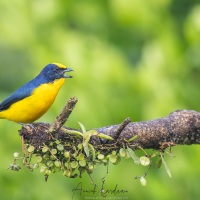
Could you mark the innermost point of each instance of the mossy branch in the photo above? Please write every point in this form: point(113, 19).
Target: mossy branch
point(181, 127)
point(67, 149)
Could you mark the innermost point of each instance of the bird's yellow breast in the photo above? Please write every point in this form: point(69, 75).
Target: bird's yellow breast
point(34, 106)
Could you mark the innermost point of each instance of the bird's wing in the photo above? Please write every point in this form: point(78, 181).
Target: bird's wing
point(14, 97)
point(21, 93)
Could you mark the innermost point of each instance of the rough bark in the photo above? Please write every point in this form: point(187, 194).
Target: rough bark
point(181, 127)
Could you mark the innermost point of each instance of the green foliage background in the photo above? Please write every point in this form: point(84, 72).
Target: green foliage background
point(137, 58)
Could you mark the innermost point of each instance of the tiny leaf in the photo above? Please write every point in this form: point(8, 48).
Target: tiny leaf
point(145, 161)
point(165, 165)
point(82, 127)
point(113, 158)
point(16, 155)
point(122, 152)
point(80, 157)
point(159, 163)
point(133, 156)
point(72, 132)
point(133, 138)
point(74, 164)
point(92, 132)
point(86, 149)
point(104, 136)
point(100, 156)
point(31, 149)
point(82, 163)
point(143, 181)
point(92, 150)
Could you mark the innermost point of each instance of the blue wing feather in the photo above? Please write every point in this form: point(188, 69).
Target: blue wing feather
point(14, 97)
point(22, 92)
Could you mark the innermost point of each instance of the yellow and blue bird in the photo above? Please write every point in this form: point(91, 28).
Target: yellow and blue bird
point(32, 100)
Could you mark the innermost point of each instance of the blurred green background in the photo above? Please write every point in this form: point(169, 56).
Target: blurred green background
point(131, 58)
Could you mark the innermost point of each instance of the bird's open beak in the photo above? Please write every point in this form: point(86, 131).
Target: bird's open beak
point(67, 70)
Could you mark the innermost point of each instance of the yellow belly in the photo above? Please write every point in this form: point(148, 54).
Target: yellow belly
point(33, 107)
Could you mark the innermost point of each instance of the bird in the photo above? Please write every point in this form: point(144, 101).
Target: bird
point(32, 100)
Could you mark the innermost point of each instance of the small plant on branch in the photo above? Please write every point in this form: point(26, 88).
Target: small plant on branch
point(54, 148)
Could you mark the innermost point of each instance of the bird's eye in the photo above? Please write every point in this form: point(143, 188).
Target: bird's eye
point(56, 70)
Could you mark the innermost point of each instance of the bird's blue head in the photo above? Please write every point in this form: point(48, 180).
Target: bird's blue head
point(55, 71)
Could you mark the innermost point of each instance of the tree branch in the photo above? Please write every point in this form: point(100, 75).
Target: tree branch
point(63, 116)
point(68, 149)
point(179, 128)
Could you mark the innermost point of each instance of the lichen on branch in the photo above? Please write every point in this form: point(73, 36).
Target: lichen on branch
point(62, 148)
